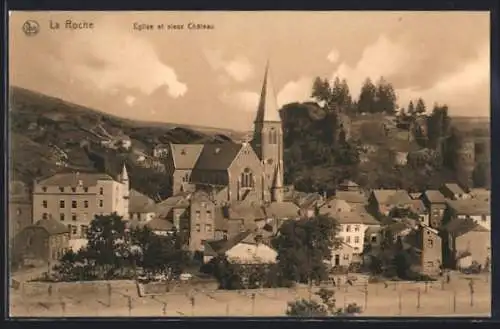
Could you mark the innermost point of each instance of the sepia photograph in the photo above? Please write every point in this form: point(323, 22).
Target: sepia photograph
point(249, 164)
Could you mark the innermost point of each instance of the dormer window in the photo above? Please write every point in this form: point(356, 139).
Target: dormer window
point(61, 189)
point(44, 189)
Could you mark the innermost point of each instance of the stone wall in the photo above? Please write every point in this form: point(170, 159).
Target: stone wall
point(30, 289)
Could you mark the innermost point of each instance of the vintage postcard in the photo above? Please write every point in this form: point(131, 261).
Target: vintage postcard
point(293, 164)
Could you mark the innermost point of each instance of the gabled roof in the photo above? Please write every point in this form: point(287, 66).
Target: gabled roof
point(471, 207)
point(418, 206)
point(268, 107)
point(454, 188)
point(351, 196)
point(162, 209)
point(140, 203)
point(481, 194)
point(159, 224)
point(307, 200)
point(459, 227)
point(245, 210)
point(355, 217)
point(392, 197)
point(220, 247)
point(52, 226)
point(435, 196)
point(282, 210)
point(216, 157)
point(335, 204)
point(185, 155)
point(72, 179)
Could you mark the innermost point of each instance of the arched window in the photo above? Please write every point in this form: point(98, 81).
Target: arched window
point(247, 178)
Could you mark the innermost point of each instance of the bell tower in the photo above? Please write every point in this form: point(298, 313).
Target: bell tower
point(268, 140)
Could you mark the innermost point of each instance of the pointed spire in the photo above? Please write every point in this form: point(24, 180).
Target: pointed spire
point(124, 175)
point(268, 107)
point(278, 180)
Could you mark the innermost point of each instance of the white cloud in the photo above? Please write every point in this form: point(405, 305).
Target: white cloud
point(333, 56)
point(239, 69)
point(245, 100)
point(117, 59)
point(130, 100)
point(295, 91)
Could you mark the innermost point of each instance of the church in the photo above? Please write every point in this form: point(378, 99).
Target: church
point(230, 172)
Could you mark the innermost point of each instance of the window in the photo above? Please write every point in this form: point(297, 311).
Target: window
point(101, 191)
point(273, 136)
point(45, 215)
point(356, 228)
point(73, 189)
point(348, 228)
point(348, 239)
point(61, 189)
point(84, 216)
point(430, 243)
point(74, 229)
point(197, 227)
point(44, 189)
point(86, 203)
point(356, 239)
point(62, 204)
point(44, 203)
point(101, 203)
point(483, 218)
point(73, 204)
point(374, 239)
point(209, 214)
point(247, 178)
point(73, 217)
point(84, 229)
point(61, 217)
point(197, 215)
point(85, 189)
point(208, 228)
point(346, 256)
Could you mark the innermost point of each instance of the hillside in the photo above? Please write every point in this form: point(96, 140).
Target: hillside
point(49, 135)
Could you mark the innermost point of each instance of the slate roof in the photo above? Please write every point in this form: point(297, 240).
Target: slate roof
point(217, 156)
point(307, 200)
point(219, 247)
point(159, 224)
point(282, 210)
point(471, 207)
point(356, 217)
point(52, 226)
point(245, 210)
point(185, 155)
point(351, 196)
point(481, 194)
point(335, 204)
point(418, 206)
point(163, 209)
point(435, 196)
point(140, 203)
point(72, 179)
point(459, 227)
point(392, 197)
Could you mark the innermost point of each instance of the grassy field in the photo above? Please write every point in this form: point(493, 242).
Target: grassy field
point(395, 299)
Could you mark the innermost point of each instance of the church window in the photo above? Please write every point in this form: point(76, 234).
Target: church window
point(273, 136)
point(247, 178)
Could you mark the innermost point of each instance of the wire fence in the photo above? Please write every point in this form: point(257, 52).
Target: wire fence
point(436, 298)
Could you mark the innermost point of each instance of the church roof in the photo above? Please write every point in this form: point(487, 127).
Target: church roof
point(72, 179)
point(217, 156)
point(268, 107)
point(185, 155)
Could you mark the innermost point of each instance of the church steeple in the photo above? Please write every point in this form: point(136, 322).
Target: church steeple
point(268, 107)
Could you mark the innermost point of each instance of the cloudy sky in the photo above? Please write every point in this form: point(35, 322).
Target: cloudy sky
point(213, 77)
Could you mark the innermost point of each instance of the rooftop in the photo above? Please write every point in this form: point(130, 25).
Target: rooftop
point(73, 179)
point(140, 203)
point(434, 196)
point(216, 157)
point(185, 155)
point(392, 197)
point(471, 207)
point(351, 196)
point(52, 226)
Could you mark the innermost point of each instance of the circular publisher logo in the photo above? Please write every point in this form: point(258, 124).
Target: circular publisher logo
point(31, 28)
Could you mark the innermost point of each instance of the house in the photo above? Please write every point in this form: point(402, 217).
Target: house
point(202, 220)
point(246, 249)
point(480, 194)
point(435, 202)
point(382, 202)
point(308, 203)
point(74, 199)
point(352, 197)
point(477, 210)
point(243, 216)
point(141, 207)
point(418, 207)
point(423, 245)
point(352, 227)
point(332, 206)
point(45, 241)
point(20, 208)
point(373, 237)
point(161, 150)
point(179, 163)
point(453, 191)
point(466, 242)
point(278, 212)
point(348, 185)
point(342, 255)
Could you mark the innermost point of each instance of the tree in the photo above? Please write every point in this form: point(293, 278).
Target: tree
point(411, 109)
point(385, 97)
point(321, 91)
point(327, 306)
point(438, 126)
point(420, 108)
point(367, 97)
point(304, 246)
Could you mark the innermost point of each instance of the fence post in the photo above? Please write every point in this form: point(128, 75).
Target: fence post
point(109, 294)
point(442, 284)
point(426, 286)
point(253, 303)
point(164, 310)
point(63, 308)
point(400, 305)
point(454, 301)
point(366, 295)
point(192, 305)
point(418, 299)
point(129, 305)
point(50, 290)
point(471, 286)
